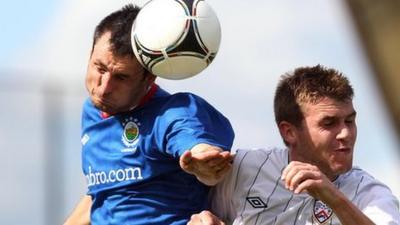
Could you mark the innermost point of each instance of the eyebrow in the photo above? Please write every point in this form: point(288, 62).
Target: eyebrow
point(121, 75)
point(353, 114)
point(328, 117)
point(99, 63)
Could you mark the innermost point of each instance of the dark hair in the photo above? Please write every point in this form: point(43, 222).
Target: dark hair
point(119, 23)
point(308, 85)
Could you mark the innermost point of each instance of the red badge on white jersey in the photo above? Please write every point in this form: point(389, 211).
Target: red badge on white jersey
point(321, 211)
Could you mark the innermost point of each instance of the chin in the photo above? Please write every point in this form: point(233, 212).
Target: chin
point(102, 107)
point(341, 169)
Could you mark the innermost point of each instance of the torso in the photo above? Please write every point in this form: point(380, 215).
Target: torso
point(130, 161)
point(258, 195)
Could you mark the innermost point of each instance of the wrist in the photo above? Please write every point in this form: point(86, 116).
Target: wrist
point(338, 201)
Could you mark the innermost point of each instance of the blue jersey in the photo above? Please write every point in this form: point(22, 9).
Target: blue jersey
point(131, 160)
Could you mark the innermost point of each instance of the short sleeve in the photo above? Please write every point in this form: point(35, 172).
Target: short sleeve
point(380, 205)
point(220, 198)
point(371, 196)
point(191, 121)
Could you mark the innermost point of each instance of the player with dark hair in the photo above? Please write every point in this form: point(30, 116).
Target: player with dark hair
point(313, 180)
point(148, 156)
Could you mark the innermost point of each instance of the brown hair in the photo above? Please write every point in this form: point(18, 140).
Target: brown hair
point(119, 23)
point(308, 84)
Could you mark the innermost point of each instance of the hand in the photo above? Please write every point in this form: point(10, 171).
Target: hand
point(208, 163)
point(205, 218)
point(302, 177)
point(81, 214)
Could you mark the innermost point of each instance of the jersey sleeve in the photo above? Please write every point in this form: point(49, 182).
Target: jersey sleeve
point(379, 204)
point(192, 121)
point(221, 196)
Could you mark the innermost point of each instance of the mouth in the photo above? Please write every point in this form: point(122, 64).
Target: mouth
point(343, 150)
point(103, 104)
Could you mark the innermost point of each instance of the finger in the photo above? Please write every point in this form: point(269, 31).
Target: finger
point(291, 170)
point(205, 156)
point(186, 157)
point(185, 161)
point(288, 173)
point(216, 162)
point(225, 170)
point(304, 186)
point(226, 155)
point(224, 158)
point(285, 171)
point(194, 220)
point(207, 218)
point(300, 177)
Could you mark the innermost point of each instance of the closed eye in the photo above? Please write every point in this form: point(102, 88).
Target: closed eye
point(328, 122)
point(101, 70)
point(100, 67)
point(121, 76)
point(351, 119)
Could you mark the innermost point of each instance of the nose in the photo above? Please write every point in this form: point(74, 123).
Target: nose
point(105, 84)
point(344, 133)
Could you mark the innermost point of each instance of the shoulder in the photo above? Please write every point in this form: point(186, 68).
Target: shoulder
point(186, 99)
point(359, 177)
point(163, 97)
point(373, 197)
point(186, 104)
point(261, 155)
point(363, 187)
point(267, 161)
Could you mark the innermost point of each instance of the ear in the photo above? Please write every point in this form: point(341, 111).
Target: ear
point(288, 132)
point(150, 77)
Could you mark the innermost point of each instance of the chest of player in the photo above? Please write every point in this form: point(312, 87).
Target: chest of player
point(120, 137)
point(123, 150)
point(272, 203)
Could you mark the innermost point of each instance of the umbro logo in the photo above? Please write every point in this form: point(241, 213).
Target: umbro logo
point(256, 202)
point(85, 139)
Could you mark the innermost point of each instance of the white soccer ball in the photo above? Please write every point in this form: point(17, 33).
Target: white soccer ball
point(176, 39)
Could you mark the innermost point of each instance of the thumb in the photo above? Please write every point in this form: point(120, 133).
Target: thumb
point(185, 159)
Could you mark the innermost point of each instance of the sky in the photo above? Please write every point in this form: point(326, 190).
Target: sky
point(44, 48)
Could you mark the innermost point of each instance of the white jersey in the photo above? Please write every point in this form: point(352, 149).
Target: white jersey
point(253, 193)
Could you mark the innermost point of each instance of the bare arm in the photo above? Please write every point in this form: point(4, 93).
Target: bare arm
point(303, 177)
point(348, 213)
point(208, 163)
point(81, 214)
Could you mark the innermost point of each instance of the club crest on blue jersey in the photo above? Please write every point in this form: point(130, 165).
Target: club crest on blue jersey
point(130, 135)
point(321, 211)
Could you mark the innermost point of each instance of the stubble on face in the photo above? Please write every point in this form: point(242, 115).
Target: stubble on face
point(126, 79)
point(326, 136)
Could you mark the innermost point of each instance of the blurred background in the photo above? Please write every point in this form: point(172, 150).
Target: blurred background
point(45, 45)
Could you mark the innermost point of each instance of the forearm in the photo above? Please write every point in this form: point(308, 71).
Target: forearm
point(304, 177)
point(348, 213)
point(81, 214)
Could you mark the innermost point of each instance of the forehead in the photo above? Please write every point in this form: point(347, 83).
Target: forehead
point(328, 107)
point(103, 55)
